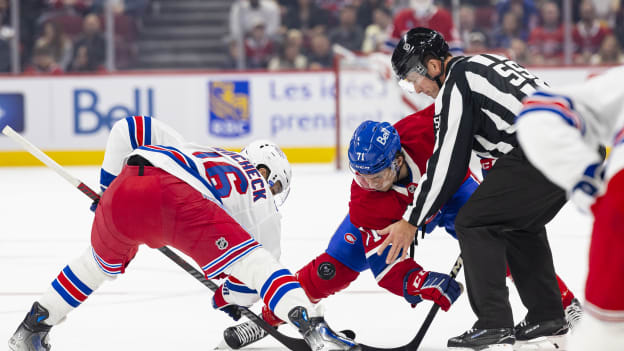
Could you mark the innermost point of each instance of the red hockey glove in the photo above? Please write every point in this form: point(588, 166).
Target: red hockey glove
point(437, 287)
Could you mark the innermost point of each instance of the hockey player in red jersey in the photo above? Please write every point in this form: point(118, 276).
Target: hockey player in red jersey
point(424, 13)
point(216, 206)
point(345, 257)
point(561, 131)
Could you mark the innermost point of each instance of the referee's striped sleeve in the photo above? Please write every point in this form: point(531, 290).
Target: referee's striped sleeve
point(447, 167)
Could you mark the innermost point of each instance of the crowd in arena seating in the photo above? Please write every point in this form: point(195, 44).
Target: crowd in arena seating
point(58, 36)
point(299, 34)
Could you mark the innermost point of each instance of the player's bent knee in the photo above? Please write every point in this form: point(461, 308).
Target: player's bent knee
point(324, 276)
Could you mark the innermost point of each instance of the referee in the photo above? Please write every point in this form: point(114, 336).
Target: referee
point(503, 223)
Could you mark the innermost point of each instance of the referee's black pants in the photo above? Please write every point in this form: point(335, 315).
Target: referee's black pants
point(503, 223)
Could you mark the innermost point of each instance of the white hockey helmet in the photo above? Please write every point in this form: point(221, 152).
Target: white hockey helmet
point(265, 153)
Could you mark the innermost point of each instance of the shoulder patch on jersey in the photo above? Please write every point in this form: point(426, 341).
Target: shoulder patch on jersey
point(222, 244)
point(350, 238)
point(411, 188)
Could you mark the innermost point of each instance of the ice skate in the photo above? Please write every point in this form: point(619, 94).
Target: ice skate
point(573, 313)
point(318, 334)
point(501, 339)
point(243, 334)
point(546, 335)
point(32, 334)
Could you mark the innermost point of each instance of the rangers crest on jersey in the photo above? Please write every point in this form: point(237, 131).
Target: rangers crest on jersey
point(222, 244)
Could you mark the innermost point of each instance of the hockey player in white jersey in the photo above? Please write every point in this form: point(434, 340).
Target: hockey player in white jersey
point(561, 131)
point(216, 206)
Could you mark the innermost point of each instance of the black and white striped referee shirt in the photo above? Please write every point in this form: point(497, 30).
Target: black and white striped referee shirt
point(474, 110)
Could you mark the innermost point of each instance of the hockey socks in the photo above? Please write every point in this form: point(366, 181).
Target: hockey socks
point(324, 276)
point(72, 286)
point(278, 288)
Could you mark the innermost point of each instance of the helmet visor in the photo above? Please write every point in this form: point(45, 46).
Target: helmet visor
point(380, 181)
point(412, 64)
point(279, 193)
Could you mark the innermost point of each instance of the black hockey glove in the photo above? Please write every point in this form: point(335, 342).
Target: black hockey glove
point(219, 303)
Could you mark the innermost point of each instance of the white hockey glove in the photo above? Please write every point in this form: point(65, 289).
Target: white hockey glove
point(589, 187)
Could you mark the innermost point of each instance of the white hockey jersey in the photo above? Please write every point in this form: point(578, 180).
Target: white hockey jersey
point(224, 177)
point(561, 129)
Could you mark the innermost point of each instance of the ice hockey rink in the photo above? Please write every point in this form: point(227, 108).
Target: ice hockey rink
point(155, 305)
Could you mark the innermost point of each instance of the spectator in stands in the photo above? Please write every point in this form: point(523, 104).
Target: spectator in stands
point(377, 35)
point(348, 33)
point(259, 47)
point(606, 10)
point(244, 13)
point(43, 62)
point(134, 8)
point(546, 40)
point(525, 11)
point(472, 38)
point(290, 57)
point(295, 36)
point(509, 30)
point(423, 13)
point(477, 43)
point(81, 7)
point(366, 11)
point(588, 33)
point(610, 52)
point(61, 46)
point(94, 43)
point(307, 17)
point(83, 63)
point(519, 52)
point(320, 55)
point(230, 62)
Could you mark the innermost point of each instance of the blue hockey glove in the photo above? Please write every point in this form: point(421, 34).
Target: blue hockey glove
point(219, 303)
point(437, 287)
point(589, 187)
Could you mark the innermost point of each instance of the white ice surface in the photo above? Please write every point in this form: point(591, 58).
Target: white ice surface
point(45, 223)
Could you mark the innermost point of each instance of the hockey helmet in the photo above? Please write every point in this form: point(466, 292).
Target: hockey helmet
point(265, 153)
point(372, 152)
point(418, 43)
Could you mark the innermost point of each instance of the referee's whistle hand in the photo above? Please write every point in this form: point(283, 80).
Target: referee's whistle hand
point(400, 237)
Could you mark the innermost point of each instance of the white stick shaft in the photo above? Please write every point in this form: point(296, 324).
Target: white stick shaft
point(35, 151)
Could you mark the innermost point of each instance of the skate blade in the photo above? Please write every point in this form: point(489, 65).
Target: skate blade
point(505, 347)
point(222, 346)
point(542, 343)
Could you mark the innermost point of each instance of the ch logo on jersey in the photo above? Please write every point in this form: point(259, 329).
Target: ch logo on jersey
point(411, 188)
point(222, 244)
point(350, 238)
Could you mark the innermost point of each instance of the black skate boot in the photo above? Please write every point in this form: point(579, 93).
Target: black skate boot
point(317, 333)
point(243, 334)
point(484, 339)
point(544, 335)
point(573, 313)
point(32, 334)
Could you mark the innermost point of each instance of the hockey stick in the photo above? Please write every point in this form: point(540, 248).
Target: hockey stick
point(434, 309)
point(415, 343)
point(294, 344)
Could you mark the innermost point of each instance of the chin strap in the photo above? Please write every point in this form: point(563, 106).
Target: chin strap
point(437, 77)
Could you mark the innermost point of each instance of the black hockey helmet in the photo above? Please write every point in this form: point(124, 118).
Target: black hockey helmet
point(418, 43)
